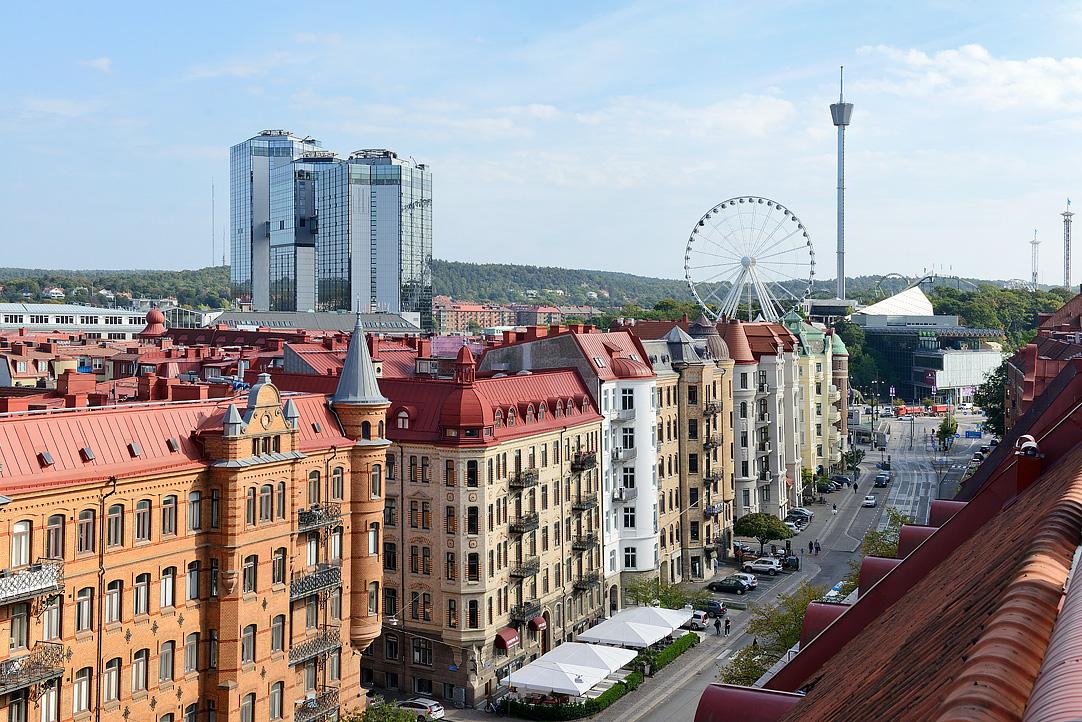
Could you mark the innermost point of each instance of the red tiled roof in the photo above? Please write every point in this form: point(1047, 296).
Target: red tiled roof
point(613, 344)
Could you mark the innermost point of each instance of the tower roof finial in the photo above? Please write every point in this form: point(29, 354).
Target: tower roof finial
point(358, 383)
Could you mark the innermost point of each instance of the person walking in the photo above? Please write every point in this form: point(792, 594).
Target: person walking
point(717, 626)
point(728, 626)
point(811, 546)
point(817, 548)
point(835, 510)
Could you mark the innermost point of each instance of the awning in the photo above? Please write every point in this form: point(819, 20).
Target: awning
point(538, 624)
point(507, 638)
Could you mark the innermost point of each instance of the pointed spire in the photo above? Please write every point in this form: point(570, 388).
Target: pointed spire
point(231, 424)
point(291, 414)
point(358, 384)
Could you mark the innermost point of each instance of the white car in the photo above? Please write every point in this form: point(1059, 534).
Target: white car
point(426, 709)
point(749, 578)
point(699, 620)
point(764, 565)
point(869, 501)
point(791, 526)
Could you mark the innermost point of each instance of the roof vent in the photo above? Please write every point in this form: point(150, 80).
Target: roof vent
point(86, 453)
point(45, 458)
point(173, 444)
point(317, 427)
point(135, 450)
point(1026, 445)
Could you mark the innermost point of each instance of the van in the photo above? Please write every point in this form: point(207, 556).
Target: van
point(698, 621)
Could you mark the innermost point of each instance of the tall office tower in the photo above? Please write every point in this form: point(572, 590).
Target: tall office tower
point(293, 229)
point(250, 166)
point(374, 244)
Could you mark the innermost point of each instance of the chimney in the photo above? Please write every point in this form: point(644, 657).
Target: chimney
point(146, 387)
point(1028, 461)
point(98, 398)
point(373, 346)
point(424, 347)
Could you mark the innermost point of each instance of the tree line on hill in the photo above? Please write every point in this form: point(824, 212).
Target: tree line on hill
point(197, 288)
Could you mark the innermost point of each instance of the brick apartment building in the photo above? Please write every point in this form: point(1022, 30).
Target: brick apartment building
point(210, 560)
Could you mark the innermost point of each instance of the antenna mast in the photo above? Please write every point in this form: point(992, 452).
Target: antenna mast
point(840, 113)
point(1033, 260)
point(1067, 245)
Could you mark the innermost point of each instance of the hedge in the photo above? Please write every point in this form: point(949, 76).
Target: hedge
point(574, 711)
point(675, 649)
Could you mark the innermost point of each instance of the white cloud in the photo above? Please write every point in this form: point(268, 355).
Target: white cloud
point(240, 68)
point(103, 64)
point(58, 107)
point(972, 76)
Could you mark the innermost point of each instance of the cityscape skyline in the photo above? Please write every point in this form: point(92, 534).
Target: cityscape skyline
point(514, 123)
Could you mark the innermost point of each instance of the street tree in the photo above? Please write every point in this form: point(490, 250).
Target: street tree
point(380, 712)
point(876, 543)
point(775, 628)
point(948, 427)
point(763, 527)
point(650, 591)
point(989, 398)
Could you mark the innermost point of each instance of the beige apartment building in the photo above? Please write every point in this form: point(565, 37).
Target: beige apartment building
point(491, 551)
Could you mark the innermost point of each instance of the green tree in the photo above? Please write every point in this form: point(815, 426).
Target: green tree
point(380, 712)
point(650, 591)
point(948, 427)
point(764, 527)
point(876, 543)
point(989, 398)
point(852, 458)
point(776, 628)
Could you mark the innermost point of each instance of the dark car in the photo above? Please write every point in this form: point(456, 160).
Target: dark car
point(732, 585)
point(986, 449)
point(712, 607)
point(840, 479)
point(791, 563)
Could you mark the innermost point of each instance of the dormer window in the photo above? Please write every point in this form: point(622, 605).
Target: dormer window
point(402, 420)
point(45, 458)
point(541, 412)
point(511, 417)
point(498, 423)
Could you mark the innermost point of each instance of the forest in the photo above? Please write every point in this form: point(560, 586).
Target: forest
point(198, 288)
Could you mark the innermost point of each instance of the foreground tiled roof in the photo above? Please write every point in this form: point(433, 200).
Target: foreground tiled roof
point(967, 640)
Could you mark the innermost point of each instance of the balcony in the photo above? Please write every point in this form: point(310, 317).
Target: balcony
point(585, 502)
point(318, 516)
point(321, 578)
point(763, 448)
point(317, 706)
point(526, 568)
point(522, 613)
point(624, 494)
point(711, 441)
point(835, 395)
point(713, 407)
point(587, 580)
point(524, 523)
point(326, 640)
point(712, 477)
point(762, 418)
point(583, 461)
point(713, 509)
point(584, 542)
point(44, 663)
point(621, 415)
point(36, 580)
point(762, 389)
point(623, 454)
point(523, 479)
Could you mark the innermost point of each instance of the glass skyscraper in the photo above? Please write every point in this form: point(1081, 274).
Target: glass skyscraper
point(250, 167)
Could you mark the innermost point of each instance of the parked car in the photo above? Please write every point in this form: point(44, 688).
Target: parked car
point(712, 608)
point(698, 621)
point(426, 709)
point(731, 584)
point(986, 449)
point(751, 579)
point(791, 526)
point(882, 479)
point(840, 479)
point(800, 521)
point(803, 512)
point(764, 565)
point(993, 443)
point(978, 457)
point(869, 501)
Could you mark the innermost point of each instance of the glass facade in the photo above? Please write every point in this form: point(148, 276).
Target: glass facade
point(250, 166)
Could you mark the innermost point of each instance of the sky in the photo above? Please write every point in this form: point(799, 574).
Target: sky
point(582, 135)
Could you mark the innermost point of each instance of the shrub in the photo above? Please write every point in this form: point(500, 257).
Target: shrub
point(575, 711)
point(675, 649)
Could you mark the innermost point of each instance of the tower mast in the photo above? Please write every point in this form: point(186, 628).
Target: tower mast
point(1033, 260)
point(840, 113)
point(1067, 245)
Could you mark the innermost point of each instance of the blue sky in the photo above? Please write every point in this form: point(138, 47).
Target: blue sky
point(588, 135)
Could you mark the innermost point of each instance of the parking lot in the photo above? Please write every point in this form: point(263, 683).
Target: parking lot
point(766, 584)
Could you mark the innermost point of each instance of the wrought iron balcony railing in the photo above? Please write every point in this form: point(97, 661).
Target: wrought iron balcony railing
point(587, 580)
point(712, 441)
point(318, 515)
point(526, 567)
point(711, 477)
point(584, 542)
point(584, 502)
point(583, 461)
point(317, 706)
point(525, 523)
point(324, 576)
point(523, 479)
point(45, 662)
point(522, 613)
point(44, 577)
point(713, 509)
point(713, 407)
point(326, 640)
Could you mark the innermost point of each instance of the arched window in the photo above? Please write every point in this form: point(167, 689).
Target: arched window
point(140, 664)
point(366, 430)
point(20, 543)
point(376, 481)
point(559, 409)
point(251, 567)
point(529, 414)
point(373, 539)
point(86, 529)
point(169, 587)
point(313, 487)
point(266, 502)
point(277, 693)
point(511, 416)
point(194, 570)
point(338, 483)
point(743, 409)
point(278, 566)
point(191, 713)
point(169, 515)
point(373, 599)
point(249, 506)
point(498, 422)
point(247, 708)
point(541, 412)
point(381, 428)
point(402, 420)
point(54, 537)
point(247, 645)
point(585, 406)
point(278, 633)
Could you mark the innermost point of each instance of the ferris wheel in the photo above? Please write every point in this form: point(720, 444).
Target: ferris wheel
point(749, 254)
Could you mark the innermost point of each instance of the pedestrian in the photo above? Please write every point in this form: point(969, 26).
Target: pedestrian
point(817, 548)
point(717, 626)
point(811, 546)
point(728, 626)
point(835, 510)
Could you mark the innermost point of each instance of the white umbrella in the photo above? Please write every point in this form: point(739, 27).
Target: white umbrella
point(630, 634)
point(556, 678)
point(657, 616)
point(608, 659)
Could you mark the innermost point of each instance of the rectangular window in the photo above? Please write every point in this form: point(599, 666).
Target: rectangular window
point(165, 663)
point(422, 651)
point(627, 399)
point(629, 557)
